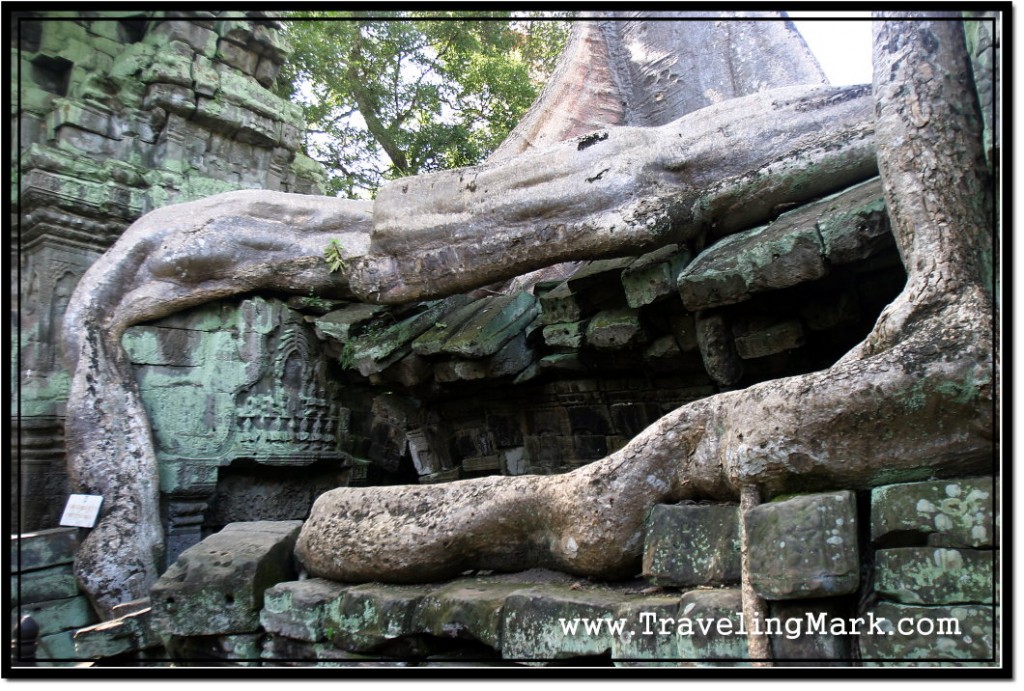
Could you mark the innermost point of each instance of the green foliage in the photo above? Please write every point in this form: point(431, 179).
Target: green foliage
point(333, 255)
point(408, 92)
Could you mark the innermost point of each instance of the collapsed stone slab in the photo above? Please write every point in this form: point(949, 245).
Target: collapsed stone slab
point(217, 586)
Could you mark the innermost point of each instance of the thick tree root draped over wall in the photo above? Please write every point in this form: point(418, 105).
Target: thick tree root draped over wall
point(913, 400)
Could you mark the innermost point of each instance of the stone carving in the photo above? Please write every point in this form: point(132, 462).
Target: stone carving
point(118, 116)
point(433, 235)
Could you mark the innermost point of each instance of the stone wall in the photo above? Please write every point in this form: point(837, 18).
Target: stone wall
point(902, 575)
point(117, 113)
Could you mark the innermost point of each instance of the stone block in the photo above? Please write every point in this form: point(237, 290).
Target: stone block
point(468, 609)
point(805, 632)
point(566, 335)
point(303, 610)
point(372, 615)
point(43, 548)
point(653, 276)
point(804, 547)
point(267, 71)
point(854, 224)
point(432, 341)
point(928, 636)
point(199, 38)
point(132, 632)
point(546, 623)
point(57, 646)
point(494, 325)
point(641, 643)
point(59, 615)
point(237, 56)
point(944, 513)
point(559, 306)
point(170, 97)
point(769, 340)
point(690, 545)
point(241, 650)
point(718, 348)
point(43, 585)
point(783, 254)
point(612, 329)
point(709, 626)
point(217, 587)
point(372, 352)
point(168, 67)
point(935, 575)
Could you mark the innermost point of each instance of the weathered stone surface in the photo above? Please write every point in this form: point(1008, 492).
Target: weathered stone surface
point(303, 610)
point(534, 617)
point(929, 636)
point(59, 615)
point(935, 575)
point(567, 335)
point(372, 615)
point(954, 513)
point(375, 350)
point(434, 339)
point(785, 253)
point(44, 548)
point(709, 626)
point(559, 306)
point(805, 632)
point(654, 275)
point(42, 585)
point(57, 646)
point(237, 649)
point(804, 547)
point(339, 324)
point(132, 632)
point(776, 338)
point(468, 608)
point(854, 224)
point(689, 545)
point(718, 348)
point(287, 652)
point(217, 587)
point(641, 643)
point(494, 325)
point(611, 329)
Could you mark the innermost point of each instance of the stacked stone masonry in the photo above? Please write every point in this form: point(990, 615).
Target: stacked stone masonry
point(233, 599)
point(118, 113)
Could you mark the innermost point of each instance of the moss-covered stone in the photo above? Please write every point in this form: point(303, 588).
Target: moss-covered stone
point(217, 586)
point(690, 545)
point(945, 513)
point(535, 621)
point(495, 324)
point(43, 585)
point(854, 224)
point(804, 547)
point(653, 276)
point(709, 627)
point(60, 615)
point(641, 642)
point(43, 548)
point(130, 633)
point(618, 328)
point(935, 575)
point(303, 610)
point(372, 615)
point(467, 609)
point(912, 635)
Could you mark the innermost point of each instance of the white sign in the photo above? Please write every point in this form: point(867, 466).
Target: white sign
point(81, 510)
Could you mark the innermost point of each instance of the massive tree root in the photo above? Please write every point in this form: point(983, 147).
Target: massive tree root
point(913, 400)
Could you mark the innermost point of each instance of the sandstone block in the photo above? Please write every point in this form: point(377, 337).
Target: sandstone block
point(372, 615)
point(775, 338)
point(653, 276)
point(702, 643)
point(611, 329)
point(805, 546)
point(42, 585)
point(60, 615)
point(690, 545)
point(303, 610)
point(945, 513)
point(929, 636)
point(935, 575)
point(640, 643)
point(44, 548)
point(129, 633)
point(217, 586)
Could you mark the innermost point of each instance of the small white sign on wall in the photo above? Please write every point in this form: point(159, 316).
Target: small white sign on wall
point(81, 510)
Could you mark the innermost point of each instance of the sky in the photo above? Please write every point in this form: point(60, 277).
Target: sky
point(843, 48)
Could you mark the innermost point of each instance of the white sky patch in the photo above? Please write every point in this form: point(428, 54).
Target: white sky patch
point(842, 44)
